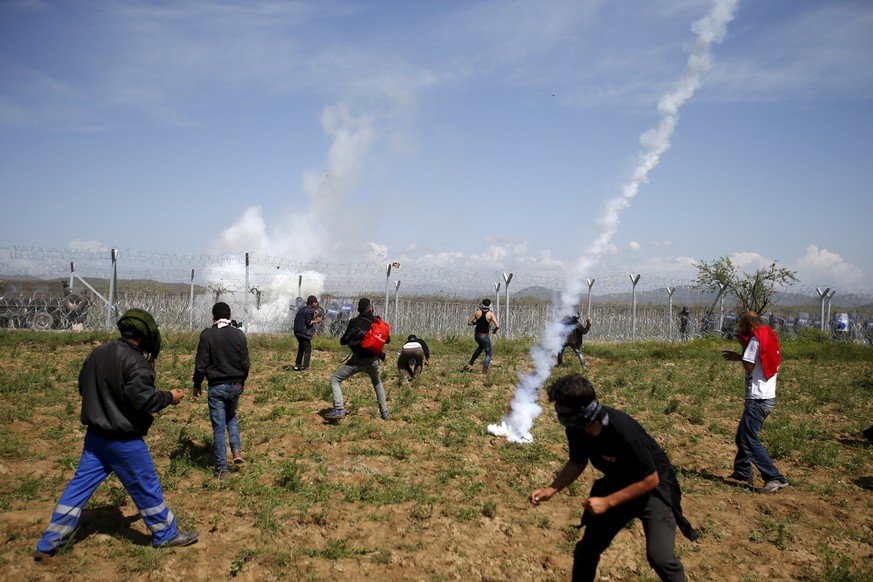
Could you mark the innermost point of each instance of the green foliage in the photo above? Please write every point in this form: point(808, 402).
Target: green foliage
point(753, 291)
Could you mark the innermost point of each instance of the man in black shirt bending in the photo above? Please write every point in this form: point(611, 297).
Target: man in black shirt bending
point(638, 480)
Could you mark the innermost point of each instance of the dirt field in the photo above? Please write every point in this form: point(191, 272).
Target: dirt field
point(429, 495)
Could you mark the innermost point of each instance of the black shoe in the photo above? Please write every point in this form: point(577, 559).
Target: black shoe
point(181, 540)
point(39, 556)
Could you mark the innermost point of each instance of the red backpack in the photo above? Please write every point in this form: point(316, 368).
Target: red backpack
point(375, 339)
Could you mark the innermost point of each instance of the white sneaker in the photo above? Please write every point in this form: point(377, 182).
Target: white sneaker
point(773, 486)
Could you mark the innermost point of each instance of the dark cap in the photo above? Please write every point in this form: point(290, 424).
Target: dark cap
point(363, 304)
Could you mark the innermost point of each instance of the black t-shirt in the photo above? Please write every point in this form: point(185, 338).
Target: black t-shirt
point(625, 453)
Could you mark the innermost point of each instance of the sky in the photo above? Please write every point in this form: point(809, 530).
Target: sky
point(465, 135)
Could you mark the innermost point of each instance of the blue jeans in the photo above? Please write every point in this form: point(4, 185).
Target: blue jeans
point(346, 371)
point(223, 400)
point(750, 451)
point(483, 343)
point(131, 462)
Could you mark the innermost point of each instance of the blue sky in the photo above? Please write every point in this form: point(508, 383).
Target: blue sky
point(474, 135)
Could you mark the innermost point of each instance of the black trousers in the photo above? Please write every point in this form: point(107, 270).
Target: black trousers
point(304, 351)
point(658, 524)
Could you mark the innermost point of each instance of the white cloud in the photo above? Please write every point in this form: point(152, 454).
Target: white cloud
point(750, 261)
point(633, 246)
point(820, 266)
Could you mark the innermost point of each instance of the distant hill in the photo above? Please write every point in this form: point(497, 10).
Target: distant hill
point(694, 297)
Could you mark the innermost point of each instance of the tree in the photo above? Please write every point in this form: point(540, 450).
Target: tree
point(754, 291)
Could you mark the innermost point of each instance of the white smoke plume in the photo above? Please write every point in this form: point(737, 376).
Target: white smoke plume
point(303, 234)
point(517, 424)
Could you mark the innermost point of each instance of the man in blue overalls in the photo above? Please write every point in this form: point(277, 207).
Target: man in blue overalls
point(117, 385)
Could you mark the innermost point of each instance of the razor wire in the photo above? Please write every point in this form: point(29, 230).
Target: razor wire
point(436, 302)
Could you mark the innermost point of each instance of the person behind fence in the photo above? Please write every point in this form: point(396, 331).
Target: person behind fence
point(483, 318)
point(360, 360)
point(684, 322)
point(760, 359)
point(638, 482)
point(117, 386)
point(304, 328)
point(223, 361)
point(575, 334)
point(414, 355)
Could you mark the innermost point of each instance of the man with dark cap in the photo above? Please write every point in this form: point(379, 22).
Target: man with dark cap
point(639, 481)
point(413, 356)
point(223, 361)
point(117, 385)
point(304, 328)
point(361, 360)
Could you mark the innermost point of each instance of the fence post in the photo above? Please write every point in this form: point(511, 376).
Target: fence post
point(830, 296)
point(497, 293)
point(246, 297)
point(822, 296)
point(670, 291)
point(590, 285)
point(634, 280)
point(111, 307)
point(191, 304)
point(507, 279)
point(396, 293)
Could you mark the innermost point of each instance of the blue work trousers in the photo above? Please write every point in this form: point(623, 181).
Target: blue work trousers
point(132, 462)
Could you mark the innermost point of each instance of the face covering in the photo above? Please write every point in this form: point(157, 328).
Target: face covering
point(581, 418)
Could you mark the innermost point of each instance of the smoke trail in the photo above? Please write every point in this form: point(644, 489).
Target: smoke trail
point(516, 425)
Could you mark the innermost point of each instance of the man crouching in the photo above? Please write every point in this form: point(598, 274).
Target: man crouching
point(638, 481)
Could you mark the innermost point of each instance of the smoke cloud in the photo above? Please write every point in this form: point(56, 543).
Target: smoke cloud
point(517, 424)
point(304, 234)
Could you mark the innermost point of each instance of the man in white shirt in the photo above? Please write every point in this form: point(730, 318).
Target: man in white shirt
point(760, 359)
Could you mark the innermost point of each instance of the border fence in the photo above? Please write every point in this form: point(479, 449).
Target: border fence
point(46, 289)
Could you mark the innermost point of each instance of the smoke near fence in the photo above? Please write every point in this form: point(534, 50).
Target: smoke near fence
point(517, 424)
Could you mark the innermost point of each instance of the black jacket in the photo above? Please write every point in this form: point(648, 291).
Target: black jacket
point(355, 331)
point(118, 391)
point(222, 357)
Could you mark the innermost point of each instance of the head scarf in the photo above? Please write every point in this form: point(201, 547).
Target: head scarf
point(583, 417)
point(139, 322)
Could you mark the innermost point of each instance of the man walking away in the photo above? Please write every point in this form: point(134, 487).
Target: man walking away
point(117, 386)
point(223, 360)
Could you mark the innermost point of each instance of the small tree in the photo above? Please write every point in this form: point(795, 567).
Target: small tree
point(754, 291)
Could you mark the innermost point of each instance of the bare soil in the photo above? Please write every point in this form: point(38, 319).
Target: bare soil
point(254, 528)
